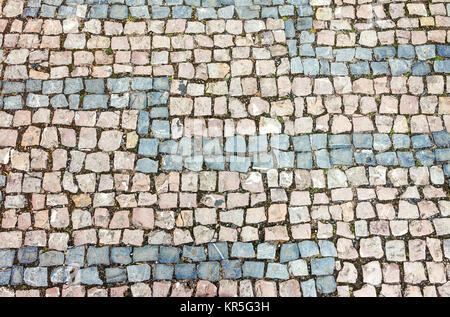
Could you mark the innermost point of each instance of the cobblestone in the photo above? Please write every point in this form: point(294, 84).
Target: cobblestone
point(234, 148)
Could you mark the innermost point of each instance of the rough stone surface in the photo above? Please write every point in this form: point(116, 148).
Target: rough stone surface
point(224, 148)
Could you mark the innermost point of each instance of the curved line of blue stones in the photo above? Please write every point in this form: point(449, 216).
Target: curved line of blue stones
point(318, 150)
point(297, 15)
point(311, 261)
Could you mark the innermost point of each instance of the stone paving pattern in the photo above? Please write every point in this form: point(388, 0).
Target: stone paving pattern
point(224, 148)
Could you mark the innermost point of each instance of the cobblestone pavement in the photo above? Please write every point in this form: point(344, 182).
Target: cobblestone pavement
point(225, 148)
